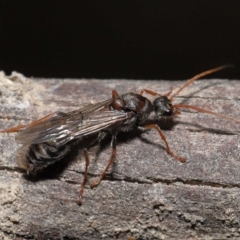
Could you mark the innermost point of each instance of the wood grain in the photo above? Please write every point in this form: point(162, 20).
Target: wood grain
point(147, 194)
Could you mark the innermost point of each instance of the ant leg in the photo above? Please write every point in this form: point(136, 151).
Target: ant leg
point(85, 177)
point(14, 129)
point(154, 93)
point(155, 126)
point(114, 94)
point(110, 162)
point(21, 127)
point(149, 92)
point(100, 137)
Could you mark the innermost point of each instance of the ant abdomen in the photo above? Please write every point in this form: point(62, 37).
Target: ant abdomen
point(39, 156)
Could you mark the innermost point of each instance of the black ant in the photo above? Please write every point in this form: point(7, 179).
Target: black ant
point(50, 138)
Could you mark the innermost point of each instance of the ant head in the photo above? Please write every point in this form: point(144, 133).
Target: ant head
point(162, 106)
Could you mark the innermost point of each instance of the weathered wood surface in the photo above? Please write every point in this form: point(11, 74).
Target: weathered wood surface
point(147, 194)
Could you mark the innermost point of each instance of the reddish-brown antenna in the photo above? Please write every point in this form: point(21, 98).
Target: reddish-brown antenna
point(197, 77)
point(178, 106)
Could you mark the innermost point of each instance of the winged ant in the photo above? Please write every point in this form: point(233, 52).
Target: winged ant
point(50, 137)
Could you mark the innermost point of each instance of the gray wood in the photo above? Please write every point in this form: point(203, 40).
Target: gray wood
point(147, 194)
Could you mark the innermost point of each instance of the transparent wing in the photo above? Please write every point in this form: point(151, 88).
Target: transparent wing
point(64, 127)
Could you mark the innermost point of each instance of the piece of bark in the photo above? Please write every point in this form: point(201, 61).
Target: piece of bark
point(147, 193)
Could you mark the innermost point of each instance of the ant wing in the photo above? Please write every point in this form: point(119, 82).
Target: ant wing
point(64, 127)
point(95, 107)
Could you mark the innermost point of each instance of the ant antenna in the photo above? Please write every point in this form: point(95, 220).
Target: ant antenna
point(198, 109)
point(178, 106)
point(197, 77)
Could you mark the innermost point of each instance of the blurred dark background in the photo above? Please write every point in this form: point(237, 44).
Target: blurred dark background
point(119, 39)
